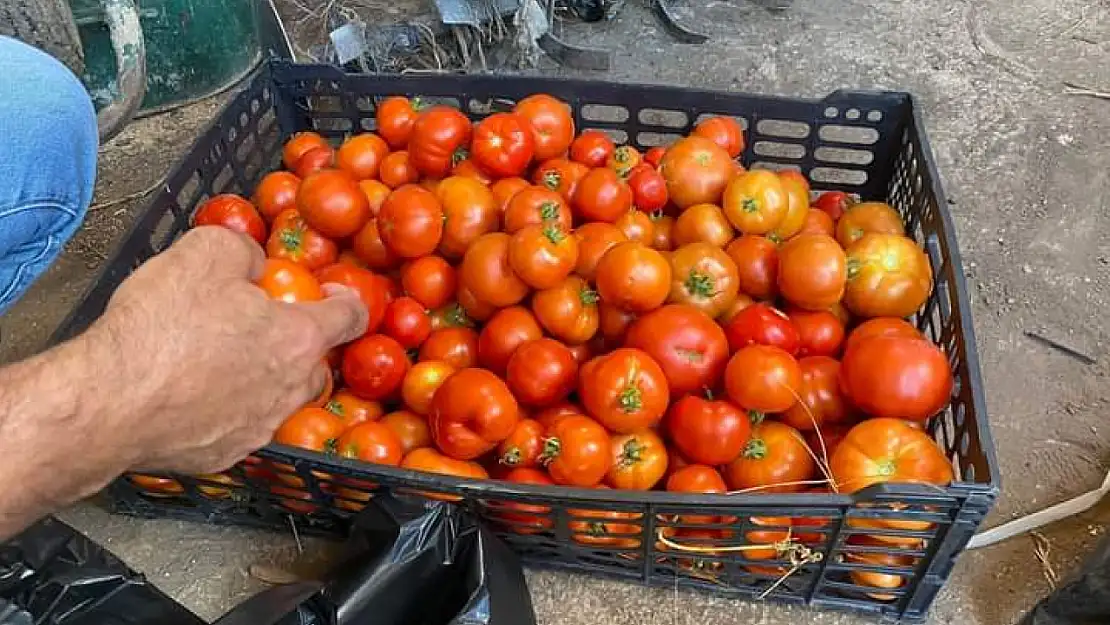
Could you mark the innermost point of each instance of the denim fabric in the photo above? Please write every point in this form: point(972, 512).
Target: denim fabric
point(48, 145)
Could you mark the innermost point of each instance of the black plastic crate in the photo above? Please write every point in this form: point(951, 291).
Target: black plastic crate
point(871, 144)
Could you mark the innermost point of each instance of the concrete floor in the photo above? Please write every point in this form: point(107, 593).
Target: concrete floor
point(1022, 160)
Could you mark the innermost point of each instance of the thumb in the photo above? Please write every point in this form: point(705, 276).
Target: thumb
point(341, 315)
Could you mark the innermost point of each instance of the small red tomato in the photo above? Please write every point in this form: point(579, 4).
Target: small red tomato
point(542, 372)
point(654, 156)
point(834, 203)
point(762, 324)
point(706, 431)
point(524, 446)
point(374, 366)
point(407, 322)
point(234, 213)
point(820, 332)
point(503, 145)
point(592, 148)
point(649, 189)
point(314, 160)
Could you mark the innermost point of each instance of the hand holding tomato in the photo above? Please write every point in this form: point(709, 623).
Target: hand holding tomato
point(250, 361)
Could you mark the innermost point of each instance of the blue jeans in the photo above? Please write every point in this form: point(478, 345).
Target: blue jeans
point(47, 163)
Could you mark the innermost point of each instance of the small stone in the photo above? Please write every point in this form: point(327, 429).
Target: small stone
point(1001, 240)
point(1026, 269)
point(972, 264)
point(1011, 301)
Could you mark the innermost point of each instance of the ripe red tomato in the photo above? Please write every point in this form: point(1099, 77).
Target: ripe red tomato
point(535, 206)
point(523, 518)
point(407, 321)
point(297, 145)
point(361, 156)
point(429, 460)
point(568, 311)
point(775, 460)
point(471, 412)
point(456, 346)
point(375, 192)
point(812, 271)
point(697, 171)
point(867, 218)
point(332, 203)
point(592, 148)
point(649, 189)
point(504, 190)
point(821, 400)
point(634, 277)
point(703, 222)
point(486, 271)
point(353, 409)
point(833, 203)
point(310, 428)
point(429, 280)
point(234, 213)
point(506, 330)
point(724, 131)
point(707, 431)
point(594, 240)
point(560, 175)
point(820, 332)
point(287, 281)
point(890, 276)
point(663, 234)
point(397, 170)
point(314, 160)
point(576, 451)
point(276, 192)
point(763, 378)
point(421, 383)
point(396, 116)
point(896, 377)
point(705, 277)
point(697, 478)
point(638, 460)
point(689, 347)
point(542, 372)
point(818, 222)
point(757, 265)
point(410, 428)
point(368, 246)
point(524, 446)
point(374, 366)
point(438, 135)
point(542, 256)
point(887, 450)
point(755, 202)
point(551, 123)
point(411, 222)
point(614, 323)
point(882, 326)
point(293, 239)
point(363, 282)
point(625, 390)
point(469, 211)
point(762, 324)
point(637, 226)
point(654, 155)
point(601, 195)
point(503, 144)
point(370, 442)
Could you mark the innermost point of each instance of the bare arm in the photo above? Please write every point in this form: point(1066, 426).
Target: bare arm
point(191, 368)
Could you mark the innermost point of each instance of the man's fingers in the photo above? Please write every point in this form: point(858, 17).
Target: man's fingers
point(341, 316)
point(226, 252)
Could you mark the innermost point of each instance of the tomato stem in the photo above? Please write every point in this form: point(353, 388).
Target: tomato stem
point(549, 211)
point(551, 448)
point(554, 233)
point(887, 467)
point(334, 407)
point(291, 238)
point(750, 205)
point(588, 296)
point(631, 399)
point(551, 179)
point(631, 453)
point(853, 267)
point(459, 156)
point(331, 446)
point(756, 417)
point(700, 284)
point(596, 528)
point(511, 457)
point(756, 449)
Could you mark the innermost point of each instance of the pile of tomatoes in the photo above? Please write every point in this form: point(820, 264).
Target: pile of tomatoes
point(552, 308)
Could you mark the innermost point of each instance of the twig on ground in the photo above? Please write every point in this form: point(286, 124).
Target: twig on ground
point(1041, 550)
point(127, 198)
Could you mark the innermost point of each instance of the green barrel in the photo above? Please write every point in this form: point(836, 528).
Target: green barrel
point(194, 48)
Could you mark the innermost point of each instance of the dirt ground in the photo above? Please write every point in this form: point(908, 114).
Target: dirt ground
point(1021, 159)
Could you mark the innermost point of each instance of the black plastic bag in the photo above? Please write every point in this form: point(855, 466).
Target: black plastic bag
point(53, 575)
point(430, 564)
point(1083, 601)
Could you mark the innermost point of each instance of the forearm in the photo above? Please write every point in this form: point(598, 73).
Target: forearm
point(60, 438)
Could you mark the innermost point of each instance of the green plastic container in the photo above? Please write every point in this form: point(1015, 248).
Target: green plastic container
point(194, 48)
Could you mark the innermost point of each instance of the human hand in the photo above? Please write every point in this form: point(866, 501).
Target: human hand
point(209, 365)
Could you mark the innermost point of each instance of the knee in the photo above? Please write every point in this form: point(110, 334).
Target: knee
point(50, 123)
